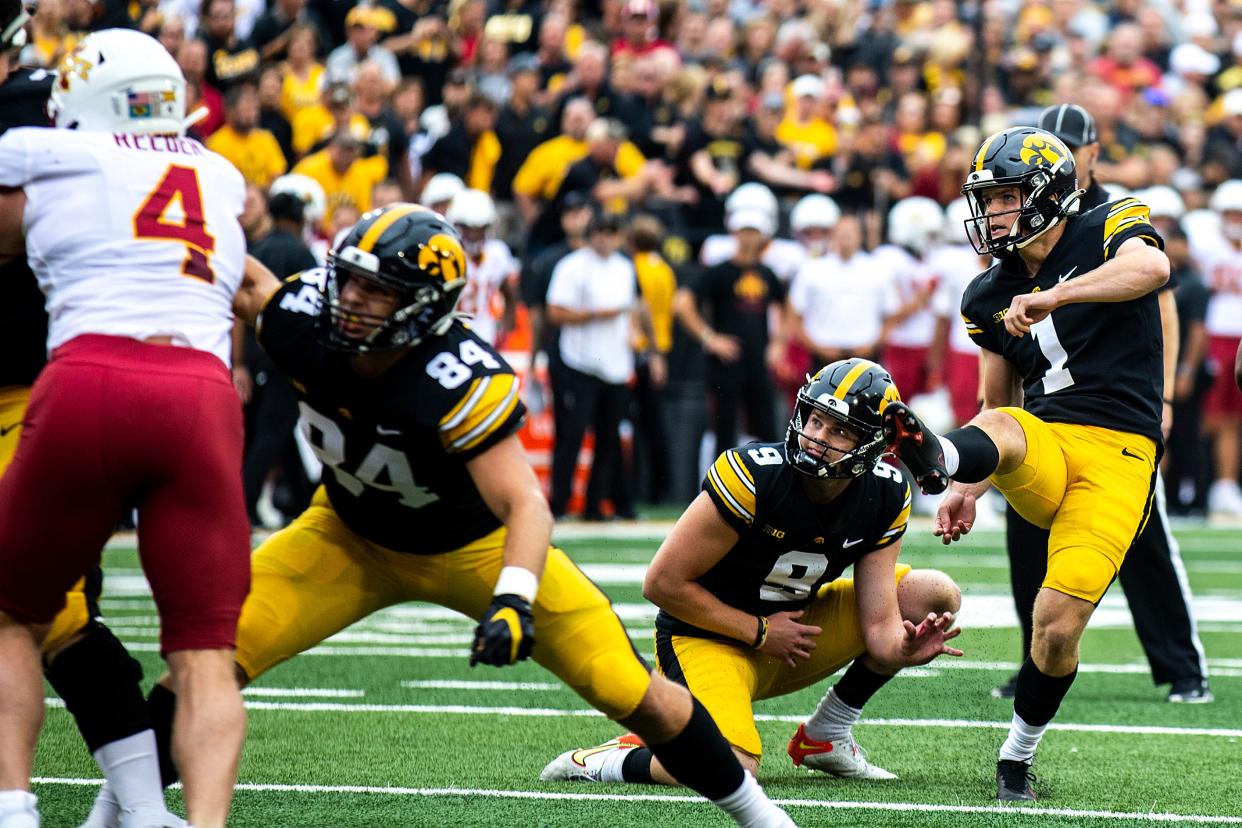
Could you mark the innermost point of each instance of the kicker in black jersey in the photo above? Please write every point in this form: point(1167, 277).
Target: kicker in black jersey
point(395, 447)
point(23, 322)
point(1097, 363)
point(788, 546)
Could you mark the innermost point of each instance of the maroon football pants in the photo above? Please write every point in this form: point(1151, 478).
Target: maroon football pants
point(114, 423)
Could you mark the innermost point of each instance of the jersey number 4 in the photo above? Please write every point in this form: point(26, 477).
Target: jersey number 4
point(180, 185)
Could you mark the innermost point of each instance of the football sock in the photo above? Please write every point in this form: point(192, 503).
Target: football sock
point(833, 718)
point(700, 758)
point(1022, 741)
point(610, 769)
point(1038, 694)
point(637, 766)
point(969, 454)
point(98, 680)
point(162, 704)
point(859, 684)
point(1036, 701)
point(749, 805)
point(106, 811)
point(132, 768)
point(17, 802)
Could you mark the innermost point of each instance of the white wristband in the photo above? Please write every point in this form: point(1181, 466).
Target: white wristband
point(517, 580)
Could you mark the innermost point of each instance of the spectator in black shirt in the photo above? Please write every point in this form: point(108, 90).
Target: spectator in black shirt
point(274, 237)
point(521, 126)
point(271, 31)
point(738, 295)
point(388, 136)
point(271, 114)
point(230, 60)
point(770, 162)
point(712, 156)
point(424, 52)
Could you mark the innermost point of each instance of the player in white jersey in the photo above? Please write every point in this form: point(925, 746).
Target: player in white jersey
point(490, 295)
point(1219, 257)
point(914, 225)
point(840, 301)
point(956, 357)
point(782, 256)
point(133, 234)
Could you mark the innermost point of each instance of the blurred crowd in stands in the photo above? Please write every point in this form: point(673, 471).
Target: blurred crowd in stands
point(676, 208)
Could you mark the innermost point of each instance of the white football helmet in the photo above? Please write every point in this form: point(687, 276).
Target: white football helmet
point(1228, 196)
point(308, 190)
point(915, 223)
point(473, 213)
point(753, 196)
point(1163, 201)
point(814, 210)
point(441, 188)
point(119, 80)
point(958, 221)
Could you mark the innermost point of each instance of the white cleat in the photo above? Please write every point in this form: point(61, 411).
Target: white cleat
point(586, 764)
point(842, 757)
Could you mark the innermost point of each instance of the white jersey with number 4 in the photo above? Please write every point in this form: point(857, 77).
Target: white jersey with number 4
point(130, 235)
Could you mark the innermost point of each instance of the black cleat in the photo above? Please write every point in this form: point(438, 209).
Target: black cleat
point(1013, 781)
point(916, 446)
point(1006, 690)
point(1191, 691)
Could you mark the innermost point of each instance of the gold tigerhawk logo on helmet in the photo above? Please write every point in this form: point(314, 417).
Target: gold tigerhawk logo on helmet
point(1038, 151)
point(73, 64)
point(443, 256)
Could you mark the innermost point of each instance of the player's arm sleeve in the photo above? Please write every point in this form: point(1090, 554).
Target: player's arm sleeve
point(1127, 219)
point(972, 318)
point(287, 323)
point(897, 527)
point(731, 486)
point(489, 411)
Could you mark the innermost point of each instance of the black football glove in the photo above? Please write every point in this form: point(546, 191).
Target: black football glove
point(506, 635)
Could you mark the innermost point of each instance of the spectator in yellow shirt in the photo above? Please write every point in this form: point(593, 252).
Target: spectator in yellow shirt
point(303, 79)
point(254, 151)
point(657, 284)
point(804, 131)
point(347, 178)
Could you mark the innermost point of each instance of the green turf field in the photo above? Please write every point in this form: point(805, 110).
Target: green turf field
point(386, 725)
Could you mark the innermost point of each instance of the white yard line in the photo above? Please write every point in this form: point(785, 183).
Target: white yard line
point(547, 712)
point(549, 796)
point(484, 685)
point(304, 692)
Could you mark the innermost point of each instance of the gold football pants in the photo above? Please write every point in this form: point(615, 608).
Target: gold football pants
point(316, 577)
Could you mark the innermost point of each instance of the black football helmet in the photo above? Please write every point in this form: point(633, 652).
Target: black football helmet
point(1041, 166)
point(409, 249)
point(855, 392)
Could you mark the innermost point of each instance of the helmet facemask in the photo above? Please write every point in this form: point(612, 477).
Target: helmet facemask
point(422, 310)
point(847, 464)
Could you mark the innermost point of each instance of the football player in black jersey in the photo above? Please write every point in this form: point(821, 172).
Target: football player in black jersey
point(1072, 375)
point(428, 496)
point(752, 602)
point(82, 659)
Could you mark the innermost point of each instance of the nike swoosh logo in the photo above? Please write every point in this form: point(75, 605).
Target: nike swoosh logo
point(850, 543)
point(4, 430)
point(827, 747)
point(1126, 453)
point(1067, 274)
point(388, 432)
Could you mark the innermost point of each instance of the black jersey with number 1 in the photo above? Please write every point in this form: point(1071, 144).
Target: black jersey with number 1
point(788, 545)
point(1091, 363)
point(395, 447)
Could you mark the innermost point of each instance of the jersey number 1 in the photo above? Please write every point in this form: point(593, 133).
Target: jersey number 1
point(150, 222)
point(1058, 376)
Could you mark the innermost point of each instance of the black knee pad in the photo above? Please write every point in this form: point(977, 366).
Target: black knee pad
point(99, 682)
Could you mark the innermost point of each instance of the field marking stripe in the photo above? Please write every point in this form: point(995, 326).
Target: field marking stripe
point(785, 803)
point(545, 712)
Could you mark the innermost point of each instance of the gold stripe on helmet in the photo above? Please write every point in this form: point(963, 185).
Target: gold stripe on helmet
point(982, 154)
point(388, 219)
point(852, 377)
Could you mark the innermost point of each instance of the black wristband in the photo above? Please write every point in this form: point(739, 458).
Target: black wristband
point(761, 633)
